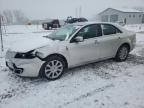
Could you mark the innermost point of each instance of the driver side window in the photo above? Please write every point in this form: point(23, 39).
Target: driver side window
point(90, 31)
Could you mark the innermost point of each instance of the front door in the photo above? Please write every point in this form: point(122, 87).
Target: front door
point(88, 49)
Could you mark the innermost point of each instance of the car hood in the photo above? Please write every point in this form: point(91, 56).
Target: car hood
point(31, 44)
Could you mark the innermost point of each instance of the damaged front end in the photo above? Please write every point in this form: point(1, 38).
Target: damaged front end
point(23, 64)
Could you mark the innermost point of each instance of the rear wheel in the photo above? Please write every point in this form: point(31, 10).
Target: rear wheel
point(53, 68)
point(122, 53)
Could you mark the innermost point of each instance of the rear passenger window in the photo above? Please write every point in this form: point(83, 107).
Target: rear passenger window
point(110, 29)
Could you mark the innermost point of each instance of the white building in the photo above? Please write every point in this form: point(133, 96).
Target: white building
point(127, 16)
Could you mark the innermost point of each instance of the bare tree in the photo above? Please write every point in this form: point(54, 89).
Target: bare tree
point(14, 17)
point(8, 16)
point(20, 16)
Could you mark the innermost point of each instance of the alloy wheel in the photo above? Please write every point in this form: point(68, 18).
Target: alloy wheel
point(53, 69)
point(123, 53)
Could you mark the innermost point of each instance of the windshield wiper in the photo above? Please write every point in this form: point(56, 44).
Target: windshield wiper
point(49, 37)
point(53, 38)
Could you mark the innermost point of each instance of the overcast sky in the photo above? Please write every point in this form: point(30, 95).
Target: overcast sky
point(40, 9)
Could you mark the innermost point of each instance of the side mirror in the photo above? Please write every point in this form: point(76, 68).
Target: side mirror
point(79, 39)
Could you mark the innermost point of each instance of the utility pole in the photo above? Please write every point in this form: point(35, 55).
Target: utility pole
point(76, 12)
point(80, 11)
point(2, 48)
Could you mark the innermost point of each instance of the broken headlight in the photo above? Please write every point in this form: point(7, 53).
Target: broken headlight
point(27, 55)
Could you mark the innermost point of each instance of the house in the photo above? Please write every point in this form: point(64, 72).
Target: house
point(127, 16)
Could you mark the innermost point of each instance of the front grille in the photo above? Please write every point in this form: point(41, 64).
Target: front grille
point(10, 54)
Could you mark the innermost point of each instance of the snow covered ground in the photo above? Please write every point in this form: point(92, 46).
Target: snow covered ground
point(106, 84)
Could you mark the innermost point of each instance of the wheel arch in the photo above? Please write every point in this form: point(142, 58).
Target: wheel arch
point(45, 59)
point(59, 55)
point(117, 53)
point(125, 44)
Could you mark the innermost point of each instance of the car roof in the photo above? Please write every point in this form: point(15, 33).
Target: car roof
point(92, 22)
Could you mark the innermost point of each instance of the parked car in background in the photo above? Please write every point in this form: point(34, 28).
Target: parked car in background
point(70, 46)
point(71, 20)
point(51, 24)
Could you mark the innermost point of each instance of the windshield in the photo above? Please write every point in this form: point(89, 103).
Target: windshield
point(63, 33)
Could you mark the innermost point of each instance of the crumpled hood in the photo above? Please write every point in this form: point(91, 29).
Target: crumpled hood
point(31, 44)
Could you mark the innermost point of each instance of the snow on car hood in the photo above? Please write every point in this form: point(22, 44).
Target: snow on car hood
point(30, 44)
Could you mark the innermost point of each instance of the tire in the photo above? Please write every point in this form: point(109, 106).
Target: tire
point(49, 28)
point(122, 53)
point(53, 68)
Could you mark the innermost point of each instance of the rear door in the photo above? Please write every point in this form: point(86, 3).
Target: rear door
point(109, 42)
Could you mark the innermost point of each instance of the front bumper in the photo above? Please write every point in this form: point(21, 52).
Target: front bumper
point(14, 68)
point(25, 67)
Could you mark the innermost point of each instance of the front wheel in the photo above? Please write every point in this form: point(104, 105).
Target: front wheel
point(53, 68)
point(122, 53)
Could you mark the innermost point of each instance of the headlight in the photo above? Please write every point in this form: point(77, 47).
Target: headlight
point(27, 55)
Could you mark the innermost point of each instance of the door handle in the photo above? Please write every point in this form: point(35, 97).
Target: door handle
point(96, 42)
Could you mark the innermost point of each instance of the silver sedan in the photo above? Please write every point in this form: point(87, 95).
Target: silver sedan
point(70, 46)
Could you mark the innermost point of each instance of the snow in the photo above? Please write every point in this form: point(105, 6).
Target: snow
point(127, 10)
point(106, 84)
point(17, 34)
point(138, 28)
point(31, 44)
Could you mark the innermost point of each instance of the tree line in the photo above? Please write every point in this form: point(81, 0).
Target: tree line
point(14, 17)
